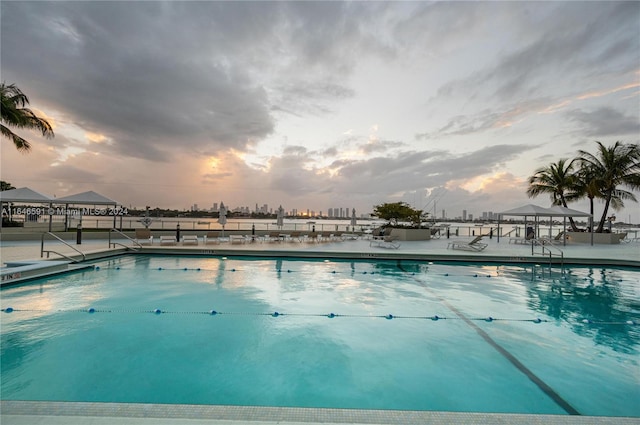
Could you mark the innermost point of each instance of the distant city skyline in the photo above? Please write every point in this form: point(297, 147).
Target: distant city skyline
point(316, 105)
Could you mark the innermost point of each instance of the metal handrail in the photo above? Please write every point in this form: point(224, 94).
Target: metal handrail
point(135, 242)
point(545, 245)
point(42, 250)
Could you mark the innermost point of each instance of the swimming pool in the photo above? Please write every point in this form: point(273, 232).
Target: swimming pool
point(340, 334)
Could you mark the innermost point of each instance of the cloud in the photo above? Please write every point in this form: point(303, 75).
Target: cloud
point(568, 42)
point(175, 103)
point(485, 120)
point(604, 122)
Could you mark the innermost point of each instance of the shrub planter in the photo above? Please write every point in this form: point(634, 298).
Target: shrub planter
point(412, 234)
point(599, 238)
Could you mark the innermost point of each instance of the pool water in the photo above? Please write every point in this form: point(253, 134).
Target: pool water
point(339, 334)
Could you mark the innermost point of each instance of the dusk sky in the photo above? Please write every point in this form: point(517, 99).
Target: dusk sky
point(314, 105)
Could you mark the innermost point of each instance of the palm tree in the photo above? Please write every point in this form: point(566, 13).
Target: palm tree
point(559, 180)
point(588, 185)
point(15, 114)
point(614, 166)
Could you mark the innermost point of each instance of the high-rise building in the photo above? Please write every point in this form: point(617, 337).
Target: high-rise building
point(330, 212)
point(464, 215)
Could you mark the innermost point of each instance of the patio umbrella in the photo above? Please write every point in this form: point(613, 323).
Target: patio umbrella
point(354, 220)
point(222, 216)
point(280, 217)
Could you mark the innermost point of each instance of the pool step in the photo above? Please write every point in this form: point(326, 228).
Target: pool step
point(18, 271)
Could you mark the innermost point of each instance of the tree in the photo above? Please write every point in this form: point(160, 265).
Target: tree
point(398, 211)
point(559, 180)
point(605, 172)
point(15, 114)
point(588, 185)
point(5, 186)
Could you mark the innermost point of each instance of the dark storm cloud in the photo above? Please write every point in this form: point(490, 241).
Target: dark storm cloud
point(572, 40)
point(153, 76)
point(604, 122)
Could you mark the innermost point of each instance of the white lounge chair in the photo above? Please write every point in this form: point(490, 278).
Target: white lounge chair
point(144, 237)
point(167, 240)
point(190, 240)
point(212, 238)
point(272, 237)
point(237, 239)
point(474, 245)
point(386, 240)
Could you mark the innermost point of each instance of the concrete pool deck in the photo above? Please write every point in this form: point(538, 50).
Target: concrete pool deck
point(21, 412)
point(624, 254)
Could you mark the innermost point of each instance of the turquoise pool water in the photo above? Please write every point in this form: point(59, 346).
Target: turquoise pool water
point(340, 334)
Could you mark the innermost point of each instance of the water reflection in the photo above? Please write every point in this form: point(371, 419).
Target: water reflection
point(603, 297)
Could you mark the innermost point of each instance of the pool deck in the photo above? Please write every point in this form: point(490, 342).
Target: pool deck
point(71, 413)
point(624, 254)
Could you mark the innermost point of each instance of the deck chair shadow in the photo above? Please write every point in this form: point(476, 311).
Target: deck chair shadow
point(144, 237)
point(473, 245)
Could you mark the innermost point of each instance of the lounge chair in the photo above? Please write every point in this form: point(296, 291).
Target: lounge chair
point(167, 240)
point(190, 240)
point(386, 241)
point(435, 232)
point(295, 237)
point(474, 245)
point(237, 239)
point(212, 238)
point(546, 240)
point(144, 237)
point(273, 237)
point(314, 237)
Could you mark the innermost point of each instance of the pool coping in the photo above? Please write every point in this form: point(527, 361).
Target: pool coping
point(354, 255)
point(23, 412)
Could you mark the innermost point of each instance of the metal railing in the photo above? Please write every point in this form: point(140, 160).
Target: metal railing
point(548, 249)
point(135, 242)
point(42, 250)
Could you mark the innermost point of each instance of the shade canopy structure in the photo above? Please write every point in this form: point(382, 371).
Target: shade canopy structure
point(529, 210)
point(24, 194)
point(86, 198)
point(537, 211)
point(561, 211)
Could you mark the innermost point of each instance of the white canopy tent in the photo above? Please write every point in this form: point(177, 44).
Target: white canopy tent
point(23, 195)
point(26, 195)
point(88, 198)
point(536, 211)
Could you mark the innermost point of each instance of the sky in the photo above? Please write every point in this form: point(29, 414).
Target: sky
point(316, 105)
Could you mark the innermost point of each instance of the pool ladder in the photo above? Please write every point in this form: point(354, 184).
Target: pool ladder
point(49, 251)
point(548, 250)
point(135, 242)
